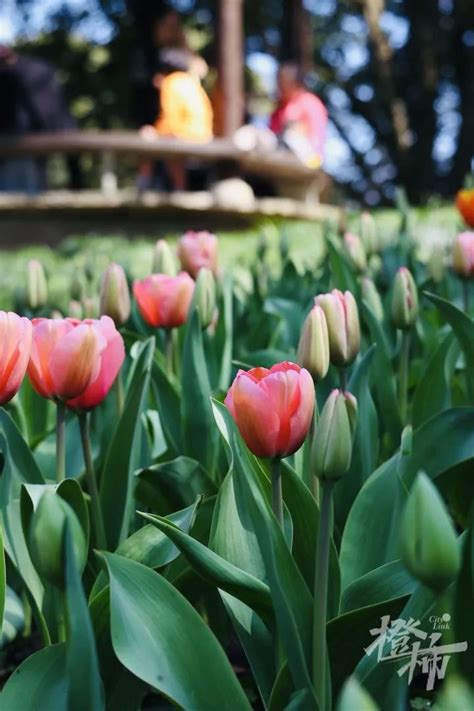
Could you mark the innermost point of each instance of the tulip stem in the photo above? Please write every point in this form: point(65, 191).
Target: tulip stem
point(169, 350)
point(343, 379)
point(321, 572)
point(277, 495)
point(100, 537)
point(403, 375)
point(119, 391)
point(466, 295)
point(60, 441)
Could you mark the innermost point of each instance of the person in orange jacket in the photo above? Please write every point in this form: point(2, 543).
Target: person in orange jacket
point(185, 110)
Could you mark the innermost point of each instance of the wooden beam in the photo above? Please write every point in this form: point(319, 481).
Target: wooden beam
point(231, 101)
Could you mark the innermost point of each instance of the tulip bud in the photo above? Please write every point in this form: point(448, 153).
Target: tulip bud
point(368, 233)
point(372, 298)
point(404, 300)
point(36, 285)
point(342, 319)
point(428, 545)
point(332, 445)
point(78, 287)
point(163, 259)
point(205, 296)
point(75, 310)
point(355, 250)
point(115, 295)
point(436, 266)
point(355, 698)
point(313, 348)
point(463, 255)
point(47, 538)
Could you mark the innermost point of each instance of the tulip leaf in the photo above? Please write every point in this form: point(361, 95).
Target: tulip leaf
point(199, 431)
point(167, 399)
point(39, 684)
point(160, 638)
point(463, 328)
point(370, 536)
point(13, 617)
point(432, 394)
point(85, 686)
point(380, 585)
point(342, 275)
point(3, 579)
point(117, 478)
point(217, 570)
point(224, 332)
point(463, 614)
point(175, 483)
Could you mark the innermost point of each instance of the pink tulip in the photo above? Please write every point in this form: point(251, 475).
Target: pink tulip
point(111, 361)
point(163, 300)
point(272, 408)
point(65, 357)
point(15, 336)
point(463, 255)
point(197, 250)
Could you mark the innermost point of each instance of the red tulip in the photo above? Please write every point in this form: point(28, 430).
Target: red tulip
point(164, 300)
point(111, 361)
point(65, 357)
point(465, 205)
point(197, 250)
point(463, 255)
point(272, 408)
point(15, 336)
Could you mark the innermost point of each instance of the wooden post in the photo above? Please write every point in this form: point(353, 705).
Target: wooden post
point(297, 39)
point(230, 99)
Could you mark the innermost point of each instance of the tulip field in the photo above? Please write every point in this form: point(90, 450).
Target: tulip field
point(229, 486)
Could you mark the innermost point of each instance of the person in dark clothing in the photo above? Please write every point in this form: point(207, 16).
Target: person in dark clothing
point(32, 101)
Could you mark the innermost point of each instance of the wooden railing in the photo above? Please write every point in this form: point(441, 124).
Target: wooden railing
point(280, 166)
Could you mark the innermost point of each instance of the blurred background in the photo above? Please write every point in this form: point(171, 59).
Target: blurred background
point(397, 77)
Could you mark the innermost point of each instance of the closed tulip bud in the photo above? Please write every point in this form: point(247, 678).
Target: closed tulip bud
point(372, 298)
point(332, 445)
point(197, 250)
point(463, 255)
point(36, 285)
point(205, 296)
point(46, 538)
point(356, 252)
point(465, 205)
point(115, 295)
point(368, 233)
point(428, 544)
point(404, 300)
point(313, 348)
point(164, 301)
point(163, 259)
point(355, 698)
point(272, 408)
point(16, 338)
point(436, 266)
point(342, 319)
point(78, 285)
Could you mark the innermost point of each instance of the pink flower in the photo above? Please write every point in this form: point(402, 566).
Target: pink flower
point(463, 255)
point(111, 361)
point(272, 408)
point(164, 300)
point(15, 337)
point(65, 357)
point(197, 250)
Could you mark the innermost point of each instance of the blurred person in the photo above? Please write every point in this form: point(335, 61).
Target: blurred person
point(185, 110)
point(32, 101)
point(300, 118)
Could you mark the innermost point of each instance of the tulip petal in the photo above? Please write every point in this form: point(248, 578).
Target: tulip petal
point(75, 361)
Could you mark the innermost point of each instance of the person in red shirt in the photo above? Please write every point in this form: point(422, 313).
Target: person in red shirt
point(300, 118)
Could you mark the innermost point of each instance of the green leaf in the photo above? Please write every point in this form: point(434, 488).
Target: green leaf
point(117, 479)
point(463, 328)
point(85, 686)
point(3, 579)
point(39, 684)
point(463, 614)
point(13, 617)
point(380, 585)
point(342, 274)
point(432, 394)
point(217, 570)
point(224, 333)
point(177, 482)
point(160, 638)
point(168, 404)
point(199, 431)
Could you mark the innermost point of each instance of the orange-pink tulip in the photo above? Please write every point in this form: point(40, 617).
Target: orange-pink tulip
point(463, 255)
point(65, 357)
point(15, 336)
point(272, 408)
point(163, 300)
point(111, 360)
point(465, 205)
point(197, 250)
